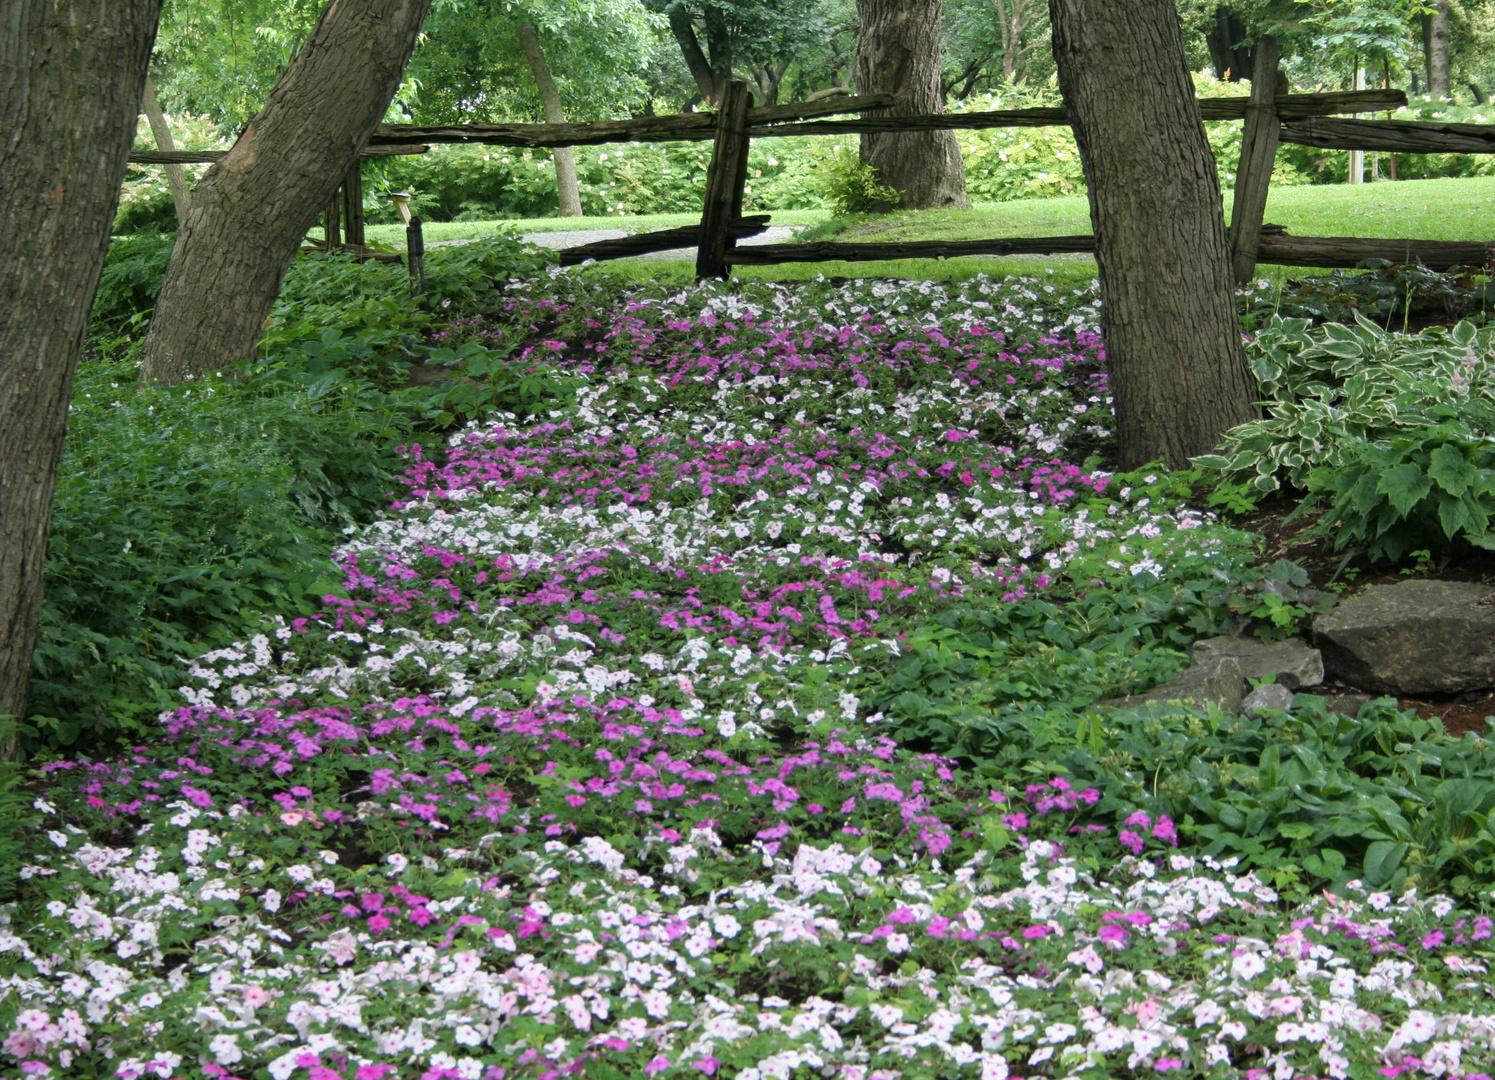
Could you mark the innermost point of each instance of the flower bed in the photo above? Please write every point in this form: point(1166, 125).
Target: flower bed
point(574, 776)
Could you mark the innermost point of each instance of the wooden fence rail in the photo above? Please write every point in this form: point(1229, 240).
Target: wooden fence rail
point(1306, 119)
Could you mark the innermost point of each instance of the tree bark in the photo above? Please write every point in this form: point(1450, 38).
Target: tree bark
point(899, 54)
point(1168, 317)
point(710, 73)
point(1230, 51)
point(1440, 85)
point(550, 99)
point(251, 211)
point(176, 178)
point(71, 76)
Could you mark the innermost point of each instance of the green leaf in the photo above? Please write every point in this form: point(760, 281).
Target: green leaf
point(1405, 485)
point(1381, 860)
point(1454, 516)
point(1328, 863)
point(1452, 470)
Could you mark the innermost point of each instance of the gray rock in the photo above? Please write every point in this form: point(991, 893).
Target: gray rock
point(1267, 696)
point(1218, 682)
point(1347, 704)
point(1292, 662)
point(1414, 637)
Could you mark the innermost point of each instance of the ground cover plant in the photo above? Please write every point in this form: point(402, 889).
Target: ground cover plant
point(733, 718)
point(181, 509)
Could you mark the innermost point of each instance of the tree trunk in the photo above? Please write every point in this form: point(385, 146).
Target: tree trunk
point(768, 78)
point(251, 211)
point(710, 73)
point(176, 179)
point(1439, 83)
point(550, 98)
point(1173, 341)
point(899, 54)
point(71, 76)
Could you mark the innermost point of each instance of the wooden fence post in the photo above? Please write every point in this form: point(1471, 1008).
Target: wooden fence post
point(353, 206)
point(1253, 176)
point(415, 256)
point(725, 180)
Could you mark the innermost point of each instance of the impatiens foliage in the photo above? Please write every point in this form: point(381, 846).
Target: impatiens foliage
point(576, 775)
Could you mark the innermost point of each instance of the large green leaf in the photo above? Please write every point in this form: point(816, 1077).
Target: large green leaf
point(1405, 485)
point(1452, 470)
point(1381, 860)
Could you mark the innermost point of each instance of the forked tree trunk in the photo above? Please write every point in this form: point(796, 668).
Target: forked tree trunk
point(899, 54)
point(252, 209)
point(71, 76)
point(1173, 340)
point(550, 100)
point(710, 72)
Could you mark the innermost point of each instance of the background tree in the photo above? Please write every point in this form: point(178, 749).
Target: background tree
point(1172, 333)
point(485, 60)
point(992, 43)
point(221, 57)
point(899, 54)
point(471, 64)
point(251, 211)
point(760, 38)
point(1435, 49)
point(71, 77)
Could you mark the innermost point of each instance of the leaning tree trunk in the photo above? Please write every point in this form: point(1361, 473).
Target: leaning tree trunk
point(550, 100)
point(71, 76)
point(1168, 316)
point(176, 177)
point(252, 209)
point(899, 54)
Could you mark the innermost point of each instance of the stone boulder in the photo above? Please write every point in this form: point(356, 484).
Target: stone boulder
point(1218, 681)
point(1291, 663)
point(1268, 696)
point(1414, 637)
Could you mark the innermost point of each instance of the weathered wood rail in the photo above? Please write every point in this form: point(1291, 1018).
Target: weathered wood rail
point(1315, 119)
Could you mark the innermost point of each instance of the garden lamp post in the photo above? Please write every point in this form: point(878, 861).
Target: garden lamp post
point(415, 241)
point(401, 199)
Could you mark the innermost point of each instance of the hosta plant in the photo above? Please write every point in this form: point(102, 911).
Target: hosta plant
point(1427, 489)
point(1326, 390)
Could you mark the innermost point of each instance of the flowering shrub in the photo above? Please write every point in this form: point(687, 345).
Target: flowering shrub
point(573, 774)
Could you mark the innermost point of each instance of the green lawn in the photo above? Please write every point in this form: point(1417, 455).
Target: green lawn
point(1418, 209)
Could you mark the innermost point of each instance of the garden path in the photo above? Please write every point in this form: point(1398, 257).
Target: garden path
point(775, 234)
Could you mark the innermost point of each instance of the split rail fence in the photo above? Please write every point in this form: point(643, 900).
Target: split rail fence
point(1313, 119)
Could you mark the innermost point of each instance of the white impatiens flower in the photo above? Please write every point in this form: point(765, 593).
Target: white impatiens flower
point(225, 1049)
point(1247, 966)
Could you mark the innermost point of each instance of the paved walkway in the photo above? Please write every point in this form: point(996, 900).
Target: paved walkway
point(775, 234)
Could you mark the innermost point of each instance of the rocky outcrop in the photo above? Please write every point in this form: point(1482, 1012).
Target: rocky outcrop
point(1219, 667)
point(1414, 637)
point(1217, 682)
point(1292, 662)
point(1268, 696)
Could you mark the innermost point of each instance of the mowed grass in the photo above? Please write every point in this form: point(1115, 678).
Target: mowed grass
point(1460, 209)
